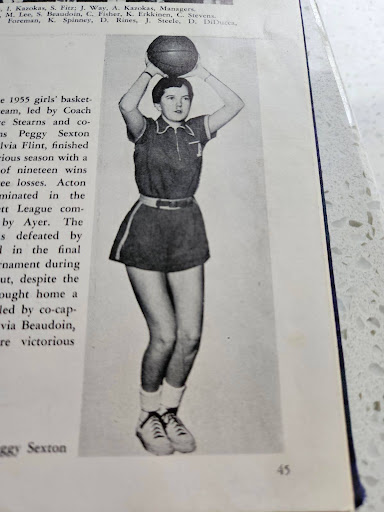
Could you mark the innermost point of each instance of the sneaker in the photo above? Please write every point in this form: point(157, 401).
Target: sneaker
point(153, 437)
point(180, 437)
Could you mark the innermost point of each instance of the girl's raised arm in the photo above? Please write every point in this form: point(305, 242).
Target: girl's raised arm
point(129, 103)
point(232, 102)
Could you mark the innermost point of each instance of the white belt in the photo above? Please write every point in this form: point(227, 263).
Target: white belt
point(166, 204)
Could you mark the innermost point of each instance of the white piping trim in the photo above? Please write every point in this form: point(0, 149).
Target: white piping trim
point(126, 233)
point(143, 131)
point(206, 126)
point(177, 144)
point(185, 127)
point(188, 129)
point(158, 128)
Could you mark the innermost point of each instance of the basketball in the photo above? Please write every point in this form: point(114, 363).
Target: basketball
point(173, 55)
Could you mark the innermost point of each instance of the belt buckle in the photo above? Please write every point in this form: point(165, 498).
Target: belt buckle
point(163, 202)
point(173, 203)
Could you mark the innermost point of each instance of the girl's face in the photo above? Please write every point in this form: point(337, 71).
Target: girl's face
point(175, 104)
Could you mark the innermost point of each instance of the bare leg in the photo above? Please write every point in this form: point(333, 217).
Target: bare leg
point(187, 289)
point(152, 294)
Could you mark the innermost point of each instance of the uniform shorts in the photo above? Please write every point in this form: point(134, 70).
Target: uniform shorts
point(165, 240)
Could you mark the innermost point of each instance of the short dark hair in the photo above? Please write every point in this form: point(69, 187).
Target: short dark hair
point(166, 83)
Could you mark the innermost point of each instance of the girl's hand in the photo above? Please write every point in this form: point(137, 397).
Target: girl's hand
point(152, 69)
point(199, 71)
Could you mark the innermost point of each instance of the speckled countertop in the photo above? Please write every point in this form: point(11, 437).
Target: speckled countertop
point(356, 221)
point(355, 31)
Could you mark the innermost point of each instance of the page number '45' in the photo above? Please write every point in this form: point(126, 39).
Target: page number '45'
point(284, 470)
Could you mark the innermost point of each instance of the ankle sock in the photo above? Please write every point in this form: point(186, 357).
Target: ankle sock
point(149, 402)
point(171, 396)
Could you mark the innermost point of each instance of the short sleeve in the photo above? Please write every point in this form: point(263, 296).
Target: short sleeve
point(144, 133)
point(200, 127)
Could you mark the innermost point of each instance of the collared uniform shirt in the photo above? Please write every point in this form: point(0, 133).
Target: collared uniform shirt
point(168, 160)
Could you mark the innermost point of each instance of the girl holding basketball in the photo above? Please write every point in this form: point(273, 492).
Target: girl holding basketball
point(163, 244)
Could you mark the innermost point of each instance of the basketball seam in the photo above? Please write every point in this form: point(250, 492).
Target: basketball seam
point(171, 51)
point(173, 65)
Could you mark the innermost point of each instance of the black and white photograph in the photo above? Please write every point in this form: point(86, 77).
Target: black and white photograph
point(181, 351)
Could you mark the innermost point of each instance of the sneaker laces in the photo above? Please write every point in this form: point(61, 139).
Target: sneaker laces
point(173, 421)
point(156, 425)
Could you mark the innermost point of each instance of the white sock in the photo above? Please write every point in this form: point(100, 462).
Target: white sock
point(149, 402)
point(171, 396)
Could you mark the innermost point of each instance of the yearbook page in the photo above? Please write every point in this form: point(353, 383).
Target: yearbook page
point(168, 335)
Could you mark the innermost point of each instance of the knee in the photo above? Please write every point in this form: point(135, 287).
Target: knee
point(163, 341)
point(189, 340)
